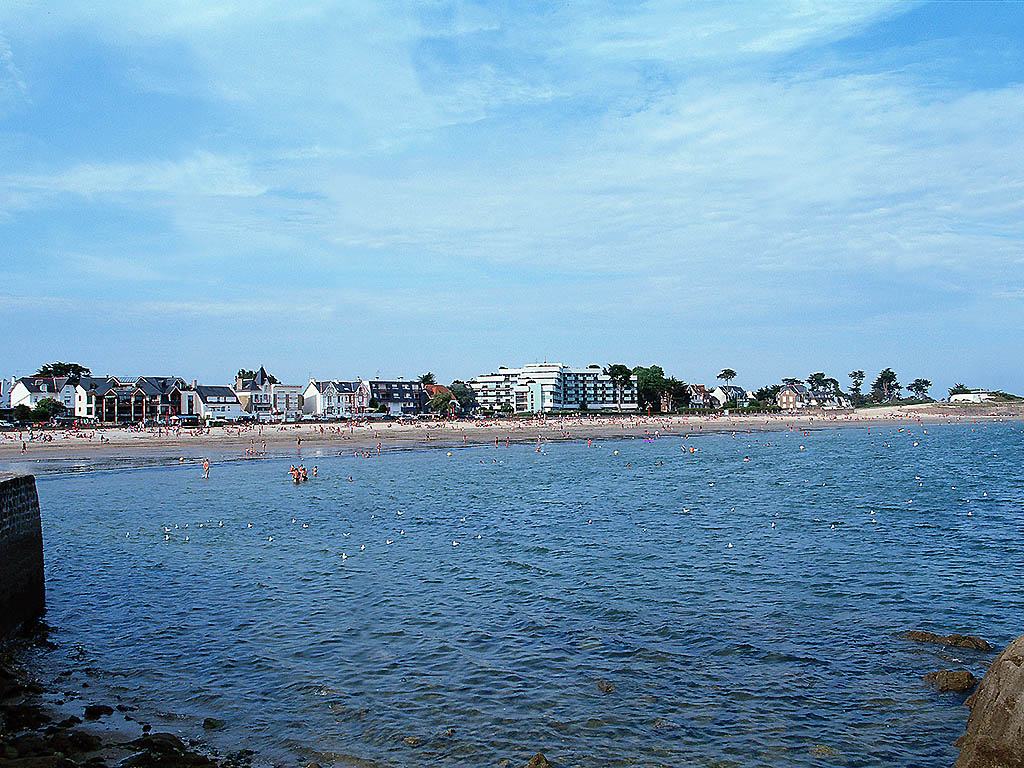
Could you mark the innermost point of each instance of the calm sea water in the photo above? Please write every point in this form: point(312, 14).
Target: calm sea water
point(728, 642)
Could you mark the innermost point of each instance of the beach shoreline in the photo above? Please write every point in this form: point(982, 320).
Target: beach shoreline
point(108, 448)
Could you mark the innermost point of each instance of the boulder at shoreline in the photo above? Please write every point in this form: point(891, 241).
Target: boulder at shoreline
point(952, 680)
point(995, 728)
point(973, 642)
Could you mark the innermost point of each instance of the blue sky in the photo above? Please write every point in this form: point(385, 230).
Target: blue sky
point(343, 189)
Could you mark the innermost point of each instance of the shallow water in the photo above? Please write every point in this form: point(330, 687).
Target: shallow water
point(573, 566)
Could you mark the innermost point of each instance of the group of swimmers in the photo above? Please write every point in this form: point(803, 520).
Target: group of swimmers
point(299, 473)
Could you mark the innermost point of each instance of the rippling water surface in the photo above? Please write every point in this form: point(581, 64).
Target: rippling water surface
point(729, 642)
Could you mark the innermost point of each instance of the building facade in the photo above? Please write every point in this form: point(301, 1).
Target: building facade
point(217, 402)
point(401, 397)
point(267, 399)
point(552, 387)
point(336, 399)
point(30, 390)
point(730, 394)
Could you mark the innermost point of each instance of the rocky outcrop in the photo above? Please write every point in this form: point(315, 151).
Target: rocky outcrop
point(995, 728)
point(973, 642)
point(952, 680)
point(538, 761)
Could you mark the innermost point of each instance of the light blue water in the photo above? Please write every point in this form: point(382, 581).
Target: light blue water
point(573, 566)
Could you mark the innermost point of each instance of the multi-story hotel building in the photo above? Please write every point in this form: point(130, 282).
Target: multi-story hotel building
point(549, 387)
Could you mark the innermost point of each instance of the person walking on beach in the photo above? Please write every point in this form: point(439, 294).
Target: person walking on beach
point(24, 447)
point(206, 469)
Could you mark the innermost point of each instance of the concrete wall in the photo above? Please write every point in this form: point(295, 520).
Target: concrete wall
point(22, 591)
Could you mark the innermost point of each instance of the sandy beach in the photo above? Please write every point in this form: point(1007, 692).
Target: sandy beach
point(106, 447)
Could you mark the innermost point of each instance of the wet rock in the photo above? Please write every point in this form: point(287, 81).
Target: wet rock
point(604, 686)
point(213, 724)
point(23, 717)
point(995, 728)
point(42, 761)
point(952, 680)
point(538, 761)
point(30, 744)
point(9, 683)
point(69, 721)
point(823, 750)
point(124, 708)
point(161, 743)
point(412, 741)
point(973, 642)
point(96, 711)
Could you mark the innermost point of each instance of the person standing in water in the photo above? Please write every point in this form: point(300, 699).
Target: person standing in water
point(206, 469)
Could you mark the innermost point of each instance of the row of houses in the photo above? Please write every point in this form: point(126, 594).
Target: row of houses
point(126, 400)
point(532, 388)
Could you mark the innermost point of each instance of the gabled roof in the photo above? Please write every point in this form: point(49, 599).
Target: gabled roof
point(158, 385)
point(35, 384)
point(206, 392)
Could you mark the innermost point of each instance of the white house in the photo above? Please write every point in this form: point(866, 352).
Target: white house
point(334, 399)
point(218, 403)
point(727, 394)
point(29, 390)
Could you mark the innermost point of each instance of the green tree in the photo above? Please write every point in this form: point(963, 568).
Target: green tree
point(886, 387)
point(441, 402)
point(920, 388)
point(22, 413)
point(816, 381)
point(245, 373)
point(792, 381)
point(621, 376)
point(650, 384)
point(679, 392)
point(727, 375)
point(47, 408)
point(506, 408)
point(427, 378)
point(958, 389)
point(766, 396)
point(59, 369)
point(465, 395)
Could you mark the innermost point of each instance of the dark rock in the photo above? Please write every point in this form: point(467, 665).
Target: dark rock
point(161, 743)
point(604, 686)
point(43, 761)
point(124, 708)
point(69, 721)
point(23, 717)
point(30, 744)
point(213, 724)
point(96, 711)
point(538, 761)
point(412, 741)
point(952, 680)
point(995, 728)
point(9, 683)
point(146, 727)
point(973, 642)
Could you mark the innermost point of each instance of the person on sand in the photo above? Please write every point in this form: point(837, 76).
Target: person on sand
point(206, 469)
point(24, 447)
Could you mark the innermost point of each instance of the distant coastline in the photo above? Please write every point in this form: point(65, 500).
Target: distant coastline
point(131, 447)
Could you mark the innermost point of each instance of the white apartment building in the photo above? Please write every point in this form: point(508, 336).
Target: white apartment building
point(550, 387)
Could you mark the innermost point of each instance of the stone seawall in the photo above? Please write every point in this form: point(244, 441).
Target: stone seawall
point(22, 590)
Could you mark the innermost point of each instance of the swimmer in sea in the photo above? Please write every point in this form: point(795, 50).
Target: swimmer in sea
point(206, 469)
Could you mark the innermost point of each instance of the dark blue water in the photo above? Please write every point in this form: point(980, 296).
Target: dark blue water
point(573, 566)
